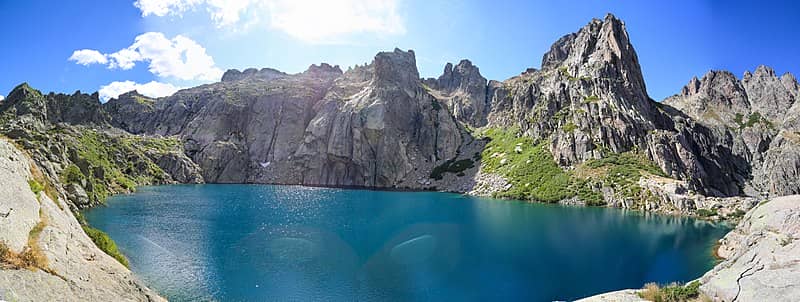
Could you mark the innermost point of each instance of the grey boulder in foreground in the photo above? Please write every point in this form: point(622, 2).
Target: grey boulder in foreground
point(762, 256)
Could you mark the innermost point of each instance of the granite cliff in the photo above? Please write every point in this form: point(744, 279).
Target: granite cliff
point(381, 126)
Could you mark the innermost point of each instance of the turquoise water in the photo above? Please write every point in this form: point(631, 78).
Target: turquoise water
point(289, 243)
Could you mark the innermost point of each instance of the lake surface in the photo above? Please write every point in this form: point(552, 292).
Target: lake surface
point(291, 243)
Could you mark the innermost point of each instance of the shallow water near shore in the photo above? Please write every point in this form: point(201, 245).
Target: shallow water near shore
point(292, 243)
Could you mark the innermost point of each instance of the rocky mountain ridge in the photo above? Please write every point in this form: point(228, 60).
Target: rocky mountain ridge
point(759, 113)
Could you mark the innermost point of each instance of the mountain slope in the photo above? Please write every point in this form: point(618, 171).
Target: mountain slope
point(759, 113)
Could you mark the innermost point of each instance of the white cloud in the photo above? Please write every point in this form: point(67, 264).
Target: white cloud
point(2, 98)
point(152, 89)
point(320, 20)
point(164, 7)
point(88, 56)
point(315, 21)
point(124, 59)
point(228, 12)
point(179, 57)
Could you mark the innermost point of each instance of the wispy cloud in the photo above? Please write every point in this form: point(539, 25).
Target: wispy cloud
point(179, 57)
point(151, 89)
point(313, 21)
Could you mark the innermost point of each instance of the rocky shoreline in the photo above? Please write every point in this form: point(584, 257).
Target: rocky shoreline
point(761, 258)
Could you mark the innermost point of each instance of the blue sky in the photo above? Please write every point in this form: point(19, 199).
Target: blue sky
point(158, 46)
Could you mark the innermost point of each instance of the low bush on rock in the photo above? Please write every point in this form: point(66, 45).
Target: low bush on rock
point(106, 244)
point(672, 293)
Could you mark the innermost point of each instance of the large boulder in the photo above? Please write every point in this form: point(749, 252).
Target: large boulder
point(762, 256)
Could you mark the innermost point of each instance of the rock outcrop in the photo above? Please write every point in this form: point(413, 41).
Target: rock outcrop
point(762, 256)
point(758, 115)
point(465, 91)
point(63, 264)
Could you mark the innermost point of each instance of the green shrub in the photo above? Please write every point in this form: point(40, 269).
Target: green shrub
point(72, 174)
point(671, 293)
point(706, 212)
point(569, 127)
point(591, 99)
point(753, 119)
point(586, 193)
point(738, 120)
point(106, 244)
point(35, 186)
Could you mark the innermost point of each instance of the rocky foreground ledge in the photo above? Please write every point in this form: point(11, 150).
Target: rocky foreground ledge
point(762, 258)
point(44, 253)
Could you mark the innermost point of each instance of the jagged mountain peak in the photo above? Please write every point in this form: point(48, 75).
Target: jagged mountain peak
point(768, 94)
point(790, 82)
point(607, 35)
point(459, 75)
point(397, 66)
point(22, 91)
point(265, 73)
point(600, 50)
point(692, 87)
point(761, 71)
point(464, 90)
point(323, 69)
point(711, 80)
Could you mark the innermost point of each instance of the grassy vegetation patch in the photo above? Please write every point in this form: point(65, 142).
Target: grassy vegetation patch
point(671, 293)
point(569, 127)
point(106, 244)
point(72, 174)
point(706, 213)
point(35, 186)
point(534, 175)
point(753, 119)
point(530, 167)
point(109, 164)
point(565, 72)
point(622, 171)
point(591, 99)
